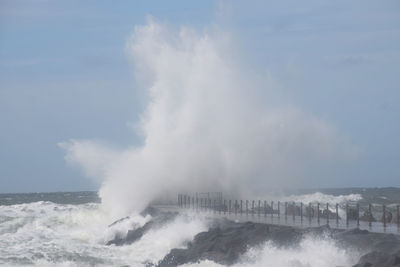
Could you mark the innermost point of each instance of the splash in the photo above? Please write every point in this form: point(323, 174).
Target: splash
point(311, 252)
point(205, 126)
point(49, 234)
point(322, 198)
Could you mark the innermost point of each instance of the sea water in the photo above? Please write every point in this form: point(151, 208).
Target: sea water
point(72, 229)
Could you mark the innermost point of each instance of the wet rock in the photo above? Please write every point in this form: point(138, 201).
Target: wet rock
point(362, 239)
point(135, 234)
point(379, 259)
point(225, 242)
point(222, 244)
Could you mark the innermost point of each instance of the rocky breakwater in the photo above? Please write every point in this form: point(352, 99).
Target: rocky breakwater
point(158, 220)
point(226, 241)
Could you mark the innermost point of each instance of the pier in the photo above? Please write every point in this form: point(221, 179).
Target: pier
point(371, 217)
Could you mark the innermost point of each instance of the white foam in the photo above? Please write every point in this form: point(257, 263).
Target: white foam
point(321, 198)
point(153, 246)
point(310, 253)
point(208, 125)
point(48, 234)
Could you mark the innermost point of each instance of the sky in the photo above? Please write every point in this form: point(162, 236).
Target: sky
point(65, 73)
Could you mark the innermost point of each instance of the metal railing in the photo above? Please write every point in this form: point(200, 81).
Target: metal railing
point(373, 217)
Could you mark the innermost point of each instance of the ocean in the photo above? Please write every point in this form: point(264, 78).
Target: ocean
point(72, 229)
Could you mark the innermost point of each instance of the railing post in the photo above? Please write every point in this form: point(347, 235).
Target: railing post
point(337, 215)
point(318, 213)
point(215, 206)
point(229, 209)
point(236, 206)
point(358, 215)
point(265, 208)
point(301, 212)
point(384, 215)
point(259, 207)
point(252, 208)
point(224, 206)
point(285, 212)
point(398, 216)
point(241, 207)
point(294, 212)
point(279, 210)
point(272, 210)
point(327, 214)
point(347, 215)
point(370, 215)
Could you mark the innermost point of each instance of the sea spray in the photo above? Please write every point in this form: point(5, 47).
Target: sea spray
point(207, 125)
point(311, 252)
point(49, 234)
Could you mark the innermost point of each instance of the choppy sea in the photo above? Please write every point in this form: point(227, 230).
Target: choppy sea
point(72, 229)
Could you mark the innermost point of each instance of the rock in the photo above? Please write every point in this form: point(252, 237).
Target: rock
point(379, 259)
point(135, 234)
point(226, 241)
point(119, 221)
point(223, 244)
point(362, 239)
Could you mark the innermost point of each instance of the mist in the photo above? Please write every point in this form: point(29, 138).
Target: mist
point(207, 125)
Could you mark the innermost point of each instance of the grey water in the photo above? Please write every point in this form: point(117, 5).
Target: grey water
point(74, 198)
point(71, 229)
point(384, 195)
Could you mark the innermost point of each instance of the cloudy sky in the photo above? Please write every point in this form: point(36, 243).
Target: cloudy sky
point(66, 73)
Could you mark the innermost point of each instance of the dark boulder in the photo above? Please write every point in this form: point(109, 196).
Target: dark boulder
point(226, 242)
point(220, 244)
point(135, 234)
point(379, 259)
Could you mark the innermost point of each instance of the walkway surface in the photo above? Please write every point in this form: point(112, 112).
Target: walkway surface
point(289, 220)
